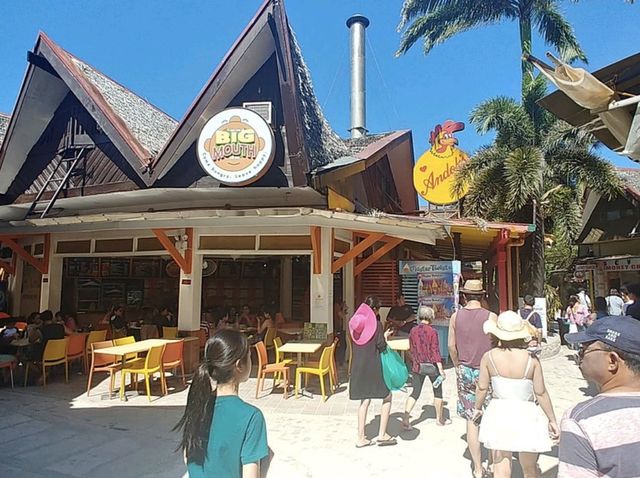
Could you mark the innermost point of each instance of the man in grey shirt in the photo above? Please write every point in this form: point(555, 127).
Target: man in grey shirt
point(600, 437)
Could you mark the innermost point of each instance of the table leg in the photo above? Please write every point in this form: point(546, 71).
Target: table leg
point(123, 380)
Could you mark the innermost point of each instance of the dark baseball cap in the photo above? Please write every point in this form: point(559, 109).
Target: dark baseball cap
point(620, 332)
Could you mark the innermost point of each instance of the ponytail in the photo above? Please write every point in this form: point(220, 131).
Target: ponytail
point(222, 351)
point(198, 415)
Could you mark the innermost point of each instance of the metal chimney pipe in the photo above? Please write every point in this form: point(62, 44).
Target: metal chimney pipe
point(357, 24)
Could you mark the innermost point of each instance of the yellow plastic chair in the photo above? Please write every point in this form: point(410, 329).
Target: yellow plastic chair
point(93, 337)
point(150, 365)
point(269, 337)
point(324, 368)
point(332, 366)
point(169, 332)
point(126, 341)
point(55, 353)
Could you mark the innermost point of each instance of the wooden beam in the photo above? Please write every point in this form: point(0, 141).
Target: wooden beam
point(391, 243)
point(8, 268)
point(316, 246)
point(184, 262)
point(42, 265)
point(356, 250)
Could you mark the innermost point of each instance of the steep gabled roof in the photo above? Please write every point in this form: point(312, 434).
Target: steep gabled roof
point(136, 128)
point(150, 126)
point(310, 140)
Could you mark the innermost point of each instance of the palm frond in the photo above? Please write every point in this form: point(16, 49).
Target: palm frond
point(574, 166)
point(557, 31)
point(486, 157)
point(507, 118)
point(563, 209)
point(456, 16)
point(413, 8)
point(523, 181)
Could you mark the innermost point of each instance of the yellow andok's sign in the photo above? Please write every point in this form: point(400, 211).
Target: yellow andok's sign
point(435, 170)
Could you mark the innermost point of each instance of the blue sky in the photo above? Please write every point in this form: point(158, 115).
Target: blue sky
point(165, 51)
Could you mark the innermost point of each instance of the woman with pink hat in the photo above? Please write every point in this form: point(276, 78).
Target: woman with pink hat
point(366, 381)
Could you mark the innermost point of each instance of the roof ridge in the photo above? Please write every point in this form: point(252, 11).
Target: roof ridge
point(6, 115)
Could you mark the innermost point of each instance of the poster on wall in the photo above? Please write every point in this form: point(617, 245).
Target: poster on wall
point(437, 284)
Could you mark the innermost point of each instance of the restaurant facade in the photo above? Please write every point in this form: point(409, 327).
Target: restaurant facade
point(251, 198)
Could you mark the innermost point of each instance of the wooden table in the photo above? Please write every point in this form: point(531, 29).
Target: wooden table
point(301, 347)
point(142, 346)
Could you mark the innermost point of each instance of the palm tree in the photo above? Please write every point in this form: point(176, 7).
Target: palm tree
point(435, 21)
point(537, 167)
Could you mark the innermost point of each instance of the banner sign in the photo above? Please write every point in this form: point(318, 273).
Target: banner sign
point(438, 283)
point(627, 264)
point(236, 147)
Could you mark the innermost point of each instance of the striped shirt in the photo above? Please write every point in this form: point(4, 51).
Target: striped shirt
point(601, 438)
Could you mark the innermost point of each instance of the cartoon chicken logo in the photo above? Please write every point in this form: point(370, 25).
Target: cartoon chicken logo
point(435, 170)
point(236, 146)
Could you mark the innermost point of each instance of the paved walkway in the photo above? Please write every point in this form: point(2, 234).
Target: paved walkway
point(60, 432)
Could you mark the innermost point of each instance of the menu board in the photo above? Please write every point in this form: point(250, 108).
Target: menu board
point(144, 268)
point(114, 267)
point(313, 331)
point(436, 284)
point(82, 267)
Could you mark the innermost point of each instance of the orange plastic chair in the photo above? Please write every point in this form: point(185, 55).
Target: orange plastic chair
point(323, 369)
point(173, 358)
point(21, 326)
point(55, 353)
point(277, 343)
point(169, 332)
point(203, 336)
point(129, 339)
point(265, 368)
point(147, 367)
point(94, 336)
point(76, 348)
point(103, 363)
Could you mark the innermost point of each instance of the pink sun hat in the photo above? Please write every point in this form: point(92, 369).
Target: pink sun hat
point(363, 325)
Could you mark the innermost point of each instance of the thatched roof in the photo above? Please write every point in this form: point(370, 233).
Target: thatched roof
point(630, 180)
point(150, 126)
point(323, 144)
point(4, 124)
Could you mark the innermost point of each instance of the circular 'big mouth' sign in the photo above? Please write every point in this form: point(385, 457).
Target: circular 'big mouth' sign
point(236, 147)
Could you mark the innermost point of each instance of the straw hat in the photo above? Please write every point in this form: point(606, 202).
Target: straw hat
point(472, 286)
point(363, 325)
point(509, 326)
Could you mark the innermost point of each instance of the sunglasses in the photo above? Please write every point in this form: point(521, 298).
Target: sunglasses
point(584, 350)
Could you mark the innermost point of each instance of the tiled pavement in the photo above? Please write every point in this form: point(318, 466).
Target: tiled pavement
point(60, 432)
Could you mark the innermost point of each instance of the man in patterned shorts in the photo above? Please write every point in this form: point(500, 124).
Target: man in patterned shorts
point(467, 344)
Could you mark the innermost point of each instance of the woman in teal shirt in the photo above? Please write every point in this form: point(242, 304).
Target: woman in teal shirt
point(223, 436)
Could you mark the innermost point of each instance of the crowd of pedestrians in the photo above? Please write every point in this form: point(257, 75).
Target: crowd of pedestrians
point(500, 384)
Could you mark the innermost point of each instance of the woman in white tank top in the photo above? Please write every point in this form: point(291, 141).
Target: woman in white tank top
point(514, 420)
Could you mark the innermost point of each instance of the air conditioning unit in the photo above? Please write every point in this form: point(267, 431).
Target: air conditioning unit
point(263, 108)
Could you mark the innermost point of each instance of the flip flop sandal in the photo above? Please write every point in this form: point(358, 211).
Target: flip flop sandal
point(407, 428)
point(369, 443)
point(446, 422)
point(388, 442)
